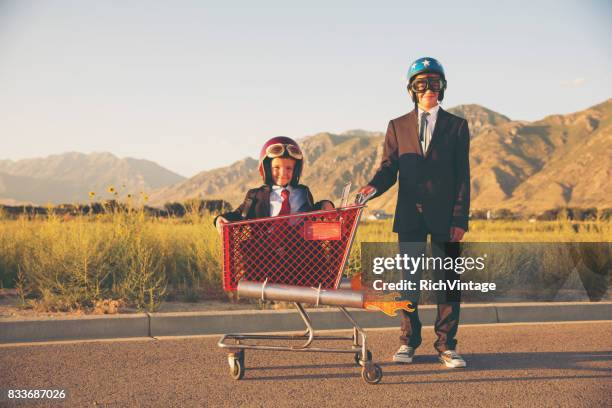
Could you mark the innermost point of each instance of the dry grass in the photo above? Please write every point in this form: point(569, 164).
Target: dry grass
point(63, 265)
point(59, 264)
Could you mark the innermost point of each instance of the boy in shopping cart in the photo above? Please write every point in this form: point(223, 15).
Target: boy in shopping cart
point(280, 165)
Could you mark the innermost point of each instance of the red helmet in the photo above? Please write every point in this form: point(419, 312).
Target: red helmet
point(280, 146)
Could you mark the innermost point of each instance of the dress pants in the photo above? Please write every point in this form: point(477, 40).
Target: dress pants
point(414, 244)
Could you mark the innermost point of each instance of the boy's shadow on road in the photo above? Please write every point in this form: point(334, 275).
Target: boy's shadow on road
point(476, 363)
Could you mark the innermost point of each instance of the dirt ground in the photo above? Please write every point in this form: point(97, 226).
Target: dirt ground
point(10, 307)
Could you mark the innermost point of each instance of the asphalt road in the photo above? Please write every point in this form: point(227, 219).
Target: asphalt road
point(549, 364)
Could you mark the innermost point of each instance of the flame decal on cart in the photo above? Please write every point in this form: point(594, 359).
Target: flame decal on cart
point(388, 304)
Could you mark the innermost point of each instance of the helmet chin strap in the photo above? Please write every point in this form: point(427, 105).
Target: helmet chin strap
point(415, 99)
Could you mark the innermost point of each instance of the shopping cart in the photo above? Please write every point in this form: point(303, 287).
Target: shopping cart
point(296, 258)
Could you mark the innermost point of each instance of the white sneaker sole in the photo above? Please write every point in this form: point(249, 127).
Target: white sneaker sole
point(404, 360)
point(453, 365)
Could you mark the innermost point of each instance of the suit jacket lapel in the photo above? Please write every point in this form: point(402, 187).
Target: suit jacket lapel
point(263, 202)
point(413, 129)
point(441, 123)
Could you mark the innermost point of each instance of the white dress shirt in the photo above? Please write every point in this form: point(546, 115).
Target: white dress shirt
point(431, 124)
point(297, 199)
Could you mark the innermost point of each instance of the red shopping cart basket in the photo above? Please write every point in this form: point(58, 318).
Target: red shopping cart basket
point(304, 249)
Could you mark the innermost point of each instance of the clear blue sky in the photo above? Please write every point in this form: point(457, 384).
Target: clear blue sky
point(195, 85)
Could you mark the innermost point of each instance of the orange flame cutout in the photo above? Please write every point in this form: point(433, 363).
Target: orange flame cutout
point(388, 304)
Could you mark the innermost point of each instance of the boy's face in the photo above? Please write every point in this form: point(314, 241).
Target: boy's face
point(282, 170)
point(429, 98)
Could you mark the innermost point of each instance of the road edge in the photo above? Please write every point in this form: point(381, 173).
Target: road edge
point(153, 325)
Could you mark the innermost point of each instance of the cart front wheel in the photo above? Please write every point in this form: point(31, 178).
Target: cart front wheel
point(371, 373)
point(236, 363)
point(358, 359)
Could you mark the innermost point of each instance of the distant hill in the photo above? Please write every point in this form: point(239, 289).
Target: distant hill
point(479, 117)
point(528, 167)
point(561, 160)
point(207, 184)
point(69, 177)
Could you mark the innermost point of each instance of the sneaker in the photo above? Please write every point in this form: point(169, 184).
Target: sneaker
point(451, 359)
point(404, 354)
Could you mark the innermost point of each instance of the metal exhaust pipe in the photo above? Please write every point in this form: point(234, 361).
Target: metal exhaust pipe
point(299, 294)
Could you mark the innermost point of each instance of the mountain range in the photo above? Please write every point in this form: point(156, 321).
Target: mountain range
point(527, 167)
point(70, 177)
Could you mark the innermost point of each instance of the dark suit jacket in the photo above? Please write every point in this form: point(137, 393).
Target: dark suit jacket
point(256, 204)
point(439, 179)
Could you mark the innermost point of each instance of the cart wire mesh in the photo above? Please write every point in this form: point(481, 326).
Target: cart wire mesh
point(303, 249)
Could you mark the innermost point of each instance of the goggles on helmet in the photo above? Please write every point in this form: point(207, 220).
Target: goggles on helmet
point(421, 85)
point(279, 149)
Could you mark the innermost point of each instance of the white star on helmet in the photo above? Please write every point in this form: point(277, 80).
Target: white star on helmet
point(426, 63)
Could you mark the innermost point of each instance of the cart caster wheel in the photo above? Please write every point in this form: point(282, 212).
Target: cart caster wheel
point(358, 357)
point(371, 373)
point(237, 371)
point(236, 363)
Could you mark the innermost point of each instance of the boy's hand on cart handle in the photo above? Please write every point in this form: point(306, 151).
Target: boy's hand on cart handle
point(219, 224)
point(365, 193)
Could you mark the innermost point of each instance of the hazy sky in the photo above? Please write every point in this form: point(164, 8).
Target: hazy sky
point(195, 85)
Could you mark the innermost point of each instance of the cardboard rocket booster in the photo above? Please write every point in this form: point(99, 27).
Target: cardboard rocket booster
point(349, 294)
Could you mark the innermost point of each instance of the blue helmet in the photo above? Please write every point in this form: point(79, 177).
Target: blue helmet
point(426, 65)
